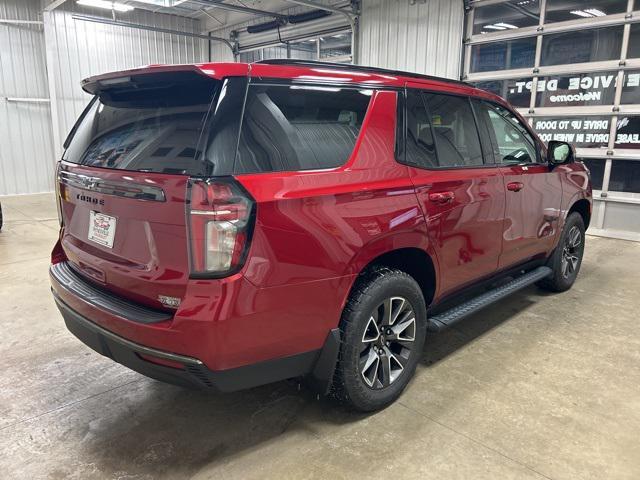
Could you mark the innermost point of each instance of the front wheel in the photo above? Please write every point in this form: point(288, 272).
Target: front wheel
point(383, 329)
point(567, 257)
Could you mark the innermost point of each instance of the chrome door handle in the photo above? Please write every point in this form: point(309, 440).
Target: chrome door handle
point(515, 186)
point(441, 198)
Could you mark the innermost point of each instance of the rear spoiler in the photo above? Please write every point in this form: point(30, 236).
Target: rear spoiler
point(98, 83)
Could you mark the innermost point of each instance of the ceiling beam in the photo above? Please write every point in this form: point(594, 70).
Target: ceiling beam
point(212, 17)
point(53, 5)
point(237, 8)
point(20, 22)
point(320, 6)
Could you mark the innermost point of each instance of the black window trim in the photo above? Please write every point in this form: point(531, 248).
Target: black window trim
point(76, 125)
point(400, 148)
point(421, 92)
point(485, 155)
point(287, 82)
point(240, 123)
point(494, 144)
point(425, 104)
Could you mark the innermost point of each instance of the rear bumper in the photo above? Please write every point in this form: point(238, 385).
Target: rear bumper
point(188, 371)
point(226, 324)
point(226, 335)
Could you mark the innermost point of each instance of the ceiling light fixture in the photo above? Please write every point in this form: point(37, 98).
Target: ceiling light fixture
point(118, 7)
point(495, 27)
point(505, 25)
point(581, 13)
point(595, 12)
point(162, 3)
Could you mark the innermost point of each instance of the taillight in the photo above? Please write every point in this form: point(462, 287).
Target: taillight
point(57, 254)
point(59, 193)
point(220, 222)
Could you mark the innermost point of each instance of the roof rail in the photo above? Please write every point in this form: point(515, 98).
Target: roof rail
point(383, 71)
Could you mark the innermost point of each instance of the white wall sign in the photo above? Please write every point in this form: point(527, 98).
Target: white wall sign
point(590, 132)
point(586, 89)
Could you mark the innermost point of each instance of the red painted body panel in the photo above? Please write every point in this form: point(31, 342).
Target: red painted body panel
point(314, 225)
point(576, 186)
point(315, 232)
point(532, 215)
point(465, 232)
point(149, 255)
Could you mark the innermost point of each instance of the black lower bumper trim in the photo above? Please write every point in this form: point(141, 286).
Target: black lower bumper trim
point(194, 373)
point(67, 278)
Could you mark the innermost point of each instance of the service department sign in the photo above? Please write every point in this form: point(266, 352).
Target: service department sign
point(577, 90)
point(590, 132)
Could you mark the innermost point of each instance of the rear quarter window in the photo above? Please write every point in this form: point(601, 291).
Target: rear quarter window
point(291, 127)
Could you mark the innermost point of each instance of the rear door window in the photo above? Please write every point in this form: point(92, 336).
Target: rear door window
point(420, 146)
point(454, 130)
point(294, 127)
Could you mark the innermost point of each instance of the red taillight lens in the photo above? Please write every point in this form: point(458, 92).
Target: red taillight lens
point(161, 361)
point(57, 254)
point(220, 219)
point(59, 194)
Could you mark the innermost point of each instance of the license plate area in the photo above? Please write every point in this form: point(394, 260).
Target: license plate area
point(102, 229)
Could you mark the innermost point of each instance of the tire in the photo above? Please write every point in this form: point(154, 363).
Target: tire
point(567, 257)
point(0, 217)
point(374, 364)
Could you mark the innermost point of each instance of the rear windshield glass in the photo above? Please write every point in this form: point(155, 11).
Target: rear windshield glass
point(299, 128)
point(150, 127)
point(191, 125)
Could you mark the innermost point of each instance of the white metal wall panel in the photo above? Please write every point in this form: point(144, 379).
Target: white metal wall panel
point(622, 217)
point(26, 147)
point(425, 37)
point(82, 49)
point(219, 51)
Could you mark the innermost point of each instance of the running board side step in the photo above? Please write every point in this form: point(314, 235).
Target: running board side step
point(448, 318)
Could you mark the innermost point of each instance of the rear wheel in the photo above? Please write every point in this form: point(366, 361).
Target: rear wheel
point(383, 328)
point(567, 258)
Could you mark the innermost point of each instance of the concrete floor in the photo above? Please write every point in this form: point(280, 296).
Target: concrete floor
point(540, 386)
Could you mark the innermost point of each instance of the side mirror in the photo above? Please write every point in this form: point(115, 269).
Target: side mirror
point(559, 153)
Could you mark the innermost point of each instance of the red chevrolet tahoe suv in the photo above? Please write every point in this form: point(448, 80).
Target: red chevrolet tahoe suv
point(229, 225)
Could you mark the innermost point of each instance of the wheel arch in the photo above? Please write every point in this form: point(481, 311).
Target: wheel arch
point(414, 261)
point(583, 207)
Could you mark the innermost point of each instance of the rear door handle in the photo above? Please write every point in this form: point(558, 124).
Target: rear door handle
point(441, 197)
point(515, 186)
